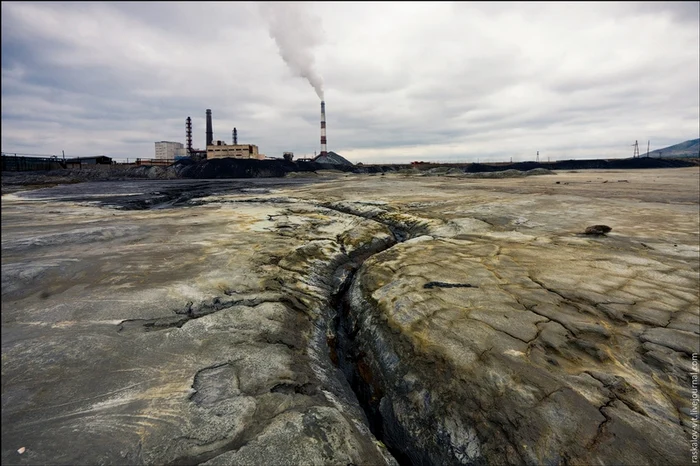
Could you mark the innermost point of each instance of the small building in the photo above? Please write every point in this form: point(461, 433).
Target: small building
point(154, 162)
point(168, 150)
point(100, 161)
point(22, 163)
point(221, 150)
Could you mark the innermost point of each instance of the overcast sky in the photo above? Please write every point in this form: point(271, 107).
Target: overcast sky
point(402, 81)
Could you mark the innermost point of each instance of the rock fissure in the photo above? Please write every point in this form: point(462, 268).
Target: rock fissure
point(349, 355)
point(600, 433)
point(189, 312)
point(346, 355)
point(619, 389)
point(537, 335)
point(669, 399)
point(553, 291)
point(549, 318)
point(495, 329)
point(431, 285)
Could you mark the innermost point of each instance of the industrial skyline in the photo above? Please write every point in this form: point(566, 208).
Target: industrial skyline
point(441, 81)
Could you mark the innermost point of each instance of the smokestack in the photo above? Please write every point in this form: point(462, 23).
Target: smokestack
point(323, 129)
point(188, 135)
point(210, 133)
point(235, 136)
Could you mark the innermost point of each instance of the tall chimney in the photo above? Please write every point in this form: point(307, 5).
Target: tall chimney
point(323, 129)
point(235, 136)
point(188, 135)
point(210, 133)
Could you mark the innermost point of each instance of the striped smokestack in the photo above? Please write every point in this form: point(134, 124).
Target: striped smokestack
point(324, 149)
point(210, 133)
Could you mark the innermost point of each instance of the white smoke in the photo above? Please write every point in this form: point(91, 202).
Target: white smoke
point(296, 33)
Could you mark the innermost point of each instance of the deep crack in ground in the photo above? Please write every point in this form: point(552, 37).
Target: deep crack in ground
point(346, 355)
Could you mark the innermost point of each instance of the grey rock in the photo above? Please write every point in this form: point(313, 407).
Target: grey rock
point(678, 340)
point(597, 230)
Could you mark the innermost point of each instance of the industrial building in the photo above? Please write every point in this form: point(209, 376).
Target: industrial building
point(221, 150)
point(168, 150)
point(99, 161)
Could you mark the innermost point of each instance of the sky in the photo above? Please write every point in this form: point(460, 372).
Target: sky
point(402, 81)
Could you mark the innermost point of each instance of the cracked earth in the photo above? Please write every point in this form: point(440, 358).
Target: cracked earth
point(353, 319)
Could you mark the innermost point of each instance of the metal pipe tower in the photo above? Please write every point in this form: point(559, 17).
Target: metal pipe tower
point(188, 135)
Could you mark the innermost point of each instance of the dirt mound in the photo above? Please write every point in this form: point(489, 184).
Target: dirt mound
point(496, 174)
point(246, 168)
point(511, 173)
point(17, 181)
point(538, 171)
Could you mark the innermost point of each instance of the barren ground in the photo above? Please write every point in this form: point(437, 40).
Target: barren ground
point(365, 319)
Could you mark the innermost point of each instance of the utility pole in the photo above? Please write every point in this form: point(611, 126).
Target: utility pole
point(636, 150)
point(647, 148)
point(538, 156)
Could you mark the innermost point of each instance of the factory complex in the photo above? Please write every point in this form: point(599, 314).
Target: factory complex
point(218, 149)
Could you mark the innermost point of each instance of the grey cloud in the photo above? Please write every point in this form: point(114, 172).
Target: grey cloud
point(688, 11)
point(446, 80)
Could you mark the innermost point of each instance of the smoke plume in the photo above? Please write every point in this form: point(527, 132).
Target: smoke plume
point(296, 33)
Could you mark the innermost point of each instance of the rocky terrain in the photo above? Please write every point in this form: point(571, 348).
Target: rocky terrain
point(353, 319)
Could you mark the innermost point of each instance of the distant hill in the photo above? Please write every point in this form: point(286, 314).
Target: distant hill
point(689, 148)
point(333, 158)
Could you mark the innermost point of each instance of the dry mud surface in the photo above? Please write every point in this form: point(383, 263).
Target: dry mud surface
point(352, 319)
